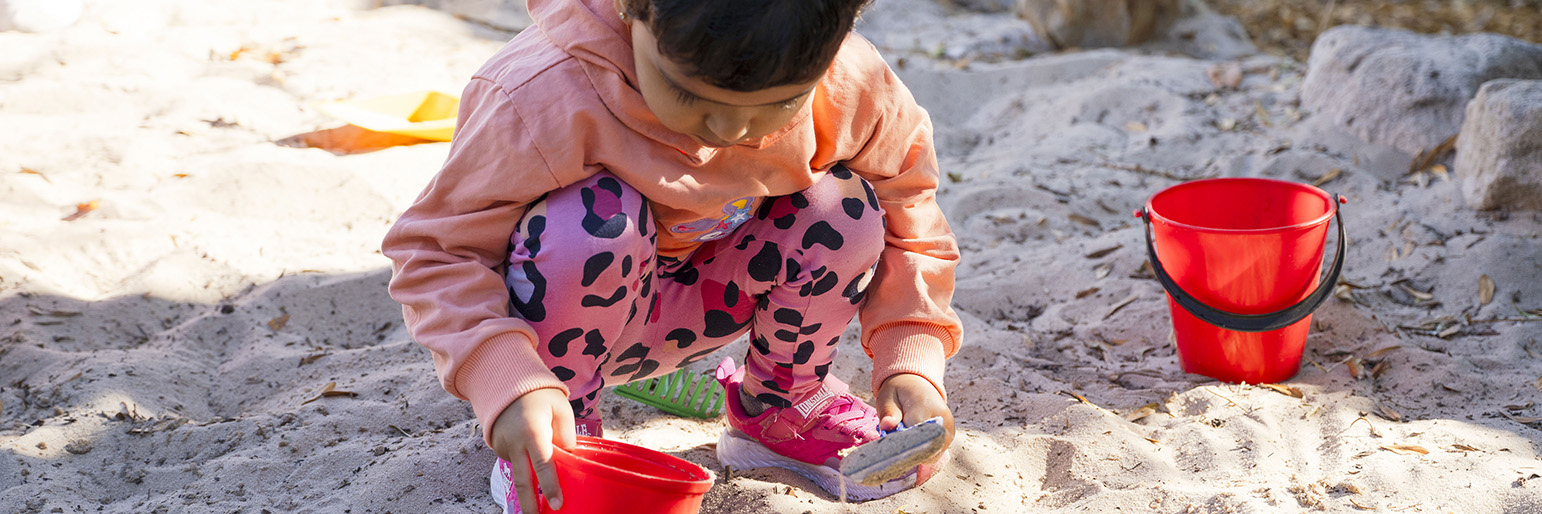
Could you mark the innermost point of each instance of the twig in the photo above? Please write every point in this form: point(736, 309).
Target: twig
point(1228, 400)
point(1132, 167)
point(1357, 420)
point(1327, 16)
point(1503, 320)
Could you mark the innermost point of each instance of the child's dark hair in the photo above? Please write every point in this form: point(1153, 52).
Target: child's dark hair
point(749, 45)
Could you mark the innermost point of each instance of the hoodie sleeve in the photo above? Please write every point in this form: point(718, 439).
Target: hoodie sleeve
point(908, 322)
point(448, 248)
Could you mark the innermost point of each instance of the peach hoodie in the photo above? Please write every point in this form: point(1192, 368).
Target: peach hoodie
point(559, 103)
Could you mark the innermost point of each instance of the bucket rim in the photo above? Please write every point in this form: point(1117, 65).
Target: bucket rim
point(699, 486)
point(1327, 198)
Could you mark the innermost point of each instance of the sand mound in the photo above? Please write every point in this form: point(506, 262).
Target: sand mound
point(171, 350)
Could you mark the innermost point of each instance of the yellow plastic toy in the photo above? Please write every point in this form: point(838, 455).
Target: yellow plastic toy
point(424, 114)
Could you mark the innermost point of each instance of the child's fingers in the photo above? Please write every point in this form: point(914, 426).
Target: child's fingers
point(540, 452)
point(889, 412)
point(523, 489)
point(565, 436)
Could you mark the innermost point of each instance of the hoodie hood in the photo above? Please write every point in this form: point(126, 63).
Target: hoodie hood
point(589, 30)
point(592, 32)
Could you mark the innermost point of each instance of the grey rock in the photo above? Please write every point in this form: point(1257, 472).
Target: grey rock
point(1406, 90)
point(980, 5)
point(509, 15)
point(1207, 35)
point(1499, 153)
point(1099, 23)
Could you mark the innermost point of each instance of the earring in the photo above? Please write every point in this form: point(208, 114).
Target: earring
point(622, 14)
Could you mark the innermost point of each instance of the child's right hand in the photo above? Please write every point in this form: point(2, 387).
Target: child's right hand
point(524, 432)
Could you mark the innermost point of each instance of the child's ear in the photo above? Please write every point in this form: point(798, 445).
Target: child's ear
point(621, 9)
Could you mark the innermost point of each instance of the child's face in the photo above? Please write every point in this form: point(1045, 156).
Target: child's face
point(713, 116)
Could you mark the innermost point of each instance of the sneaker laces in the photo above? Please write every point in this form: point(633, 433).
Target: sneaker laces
point(843, 414)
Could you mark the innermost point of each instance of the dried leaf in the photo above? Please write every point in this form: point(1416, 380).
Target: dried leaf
point(1440, 171)
point(1387, 412)
point(312, 358)
point(1520, 419)
point(1347, 282)
point(1537, 384)
point(1102, 270)
point(1135, 126)
point(1378, 353)
point(1426, 159)
point(329, 390)
point(82, 209)
point(1464, 448)
point(1485, 290)
point(40, 174)
point(1263, 115)
point(1226, 124)
point(1084, 220)
point(278, 323)
point(1435, 323)
point(1353, 364)
point(179, 175)
point(1078, 397)
point(39, 311)
point(348, 139)
point(1406, 449)
point(1421, 295)
point(1142, 412)
point(1453, 330)
point(1345, 293)
point(1101, 253)
point(1380, 369)
point(1528, 405)
point(1285, 390)
point(1092, 290)
point(1121, 305)
point(1330, 176)
point(1226, 75)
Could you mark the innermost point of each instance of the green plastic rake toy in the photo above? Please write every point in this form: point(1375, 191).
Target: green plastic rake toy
point(681, 393)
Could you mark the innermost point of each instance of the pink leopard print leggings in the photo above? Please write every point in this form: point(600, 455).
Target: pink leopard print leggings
point(583, 271)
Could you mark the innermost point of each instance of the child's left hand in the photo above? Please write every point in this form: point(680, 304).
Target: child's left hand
point(913, 399)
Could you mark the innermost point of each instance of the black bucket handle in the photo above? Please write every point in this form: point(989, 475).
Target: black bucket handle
point(1249, 322)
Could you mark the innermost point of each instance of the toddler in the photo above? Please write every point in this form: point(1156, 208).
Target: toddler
point(635, 183)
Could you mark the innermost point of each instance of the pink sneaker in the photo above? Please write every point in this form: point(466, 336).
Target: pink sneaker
point(501, 484)
point(808, 438)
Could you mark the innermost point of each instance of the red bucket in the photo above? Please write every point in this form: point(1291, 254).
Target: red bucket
point(1240, 259)
point(603, 476)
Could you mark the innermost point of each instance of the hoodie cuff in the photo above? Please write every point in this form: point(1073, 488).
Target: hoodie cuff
point(500, 370)
point(914, 348)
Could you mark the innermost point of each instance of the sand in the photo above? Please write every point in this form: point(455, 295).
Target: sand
point(168, 351)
